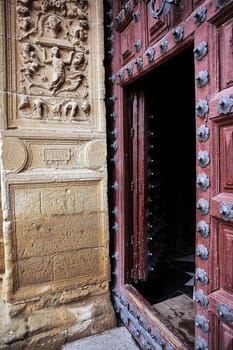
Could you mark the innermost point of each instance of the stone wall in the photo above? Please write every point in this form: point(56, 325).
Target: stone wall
point(55, 285)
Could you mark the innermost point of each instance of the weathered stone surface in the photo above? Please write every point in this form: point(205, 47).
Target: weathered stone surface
point(54, 245)
point(50, 328)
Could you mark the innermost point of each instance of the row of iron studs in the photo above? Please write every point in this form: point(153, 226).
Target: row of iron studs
point(203, 158)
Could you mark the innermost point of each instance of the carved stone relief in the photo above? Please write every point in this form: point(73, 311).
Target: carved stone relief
point(52, 46)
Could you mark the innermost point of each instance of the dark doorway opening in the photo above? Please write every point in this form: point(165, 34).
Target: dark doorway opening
point(169, 94)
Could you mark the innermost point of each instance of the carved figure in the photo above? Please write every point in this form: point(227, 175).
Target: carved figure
point(57, 111)
point(85, 106)
point(38, 109)
point(22, 11)
point(53, 24)
point(31, 61)
point(80, 33)
point(71, 108)
point(58, 65)
point(25, 103)
point(78, 63)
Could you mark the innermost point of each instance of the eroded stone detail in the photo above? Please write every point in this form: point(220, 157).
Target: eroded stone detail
point(53, 53)
point(59, 234)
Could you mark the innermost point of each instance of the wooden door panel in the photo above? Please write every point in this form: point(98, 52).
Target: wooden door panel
point(226, 256)
point(127, 44)
point(130, 22)
point(214, 86)
point(221, 197)
point(156, 27)
point(226, 161)
point(226, 54)
point(221, 334)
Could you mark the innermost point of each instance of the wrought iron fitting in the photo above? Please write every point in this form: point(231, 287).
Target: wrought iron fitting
point(201, 276)
point(150, 53)
point(139, 63)
point(115, 186)
point(164, 8)
point(202, 108)
point(110, 26)
point(115, 227)
point(201, 299)
point(115, 160)
point(178, 34)
point(112, 78)
point(202, 252)
point(225, 313)
point(203, 206)
point(200, 16)
point(203, 182)
point(224, 104)
point(113, 99)
point(203, 158)
point(221, 3)
point(115, 133)
point(163, 45)
point(114, 116)
point(202, 323)
point(201, 344)
point(121, 75)
point(203, 133)
point(111, 53)
point(202, 79)
point(118, 18)
point(115, 256)
point(109, 13)
point(127, 8)
point(138, 45)
point(203, 229)
point(129, 69)
point(114, 146)
point(111, 39)
point(142, 321)
point(200, 50)
point(115, 211)
point(136, 15)
point(225, 211)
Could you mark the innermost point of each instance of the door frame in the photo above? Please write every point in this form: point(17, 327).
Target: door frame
point(134, 311)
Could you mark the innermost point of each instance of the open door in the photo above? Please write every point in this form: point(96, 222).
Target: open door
point(170, 107)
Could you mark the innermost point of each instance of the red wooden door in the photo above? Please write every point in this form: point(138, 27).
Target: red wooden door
point(144, 53)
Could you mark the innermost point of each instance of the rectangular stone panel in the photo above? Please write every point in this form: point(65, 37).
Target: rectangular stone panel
point(59, 232)
point(85, 262)
point(34, 271)
point(51, 60)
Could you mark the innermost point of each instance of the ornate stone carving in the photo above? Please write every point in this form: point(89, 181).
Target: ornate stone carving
point(53, 59)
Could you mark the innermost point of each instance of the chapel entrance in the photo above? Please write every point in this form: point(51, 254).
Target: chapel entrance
point(168, 180)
